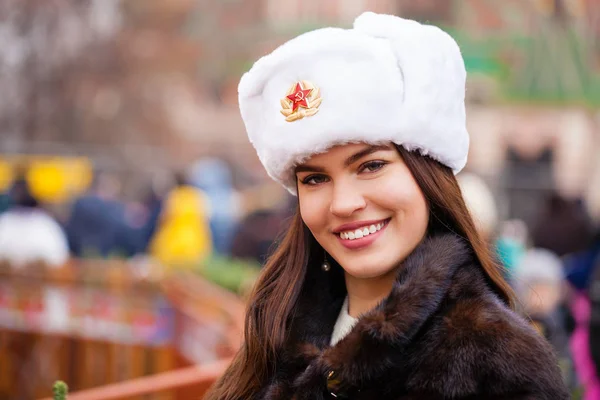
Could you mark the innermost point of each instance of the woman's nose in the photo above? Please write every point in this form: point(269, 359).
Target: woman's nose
point(346, 199)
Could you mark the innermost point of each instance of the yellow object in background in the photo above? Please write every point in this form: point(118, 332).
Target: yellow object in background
point(6, 176)
point(78, 172)
point(50, 179)
point(183, 235)
point(47, 180)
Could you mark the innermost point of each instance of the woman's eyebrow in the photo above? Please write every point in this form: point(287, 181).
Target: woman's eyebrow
point(349, 161)
point(365, 152)
point(308, 168)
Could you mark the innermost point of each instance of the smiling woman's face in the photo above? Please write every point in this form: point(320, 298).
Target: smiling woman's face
point(363, 206)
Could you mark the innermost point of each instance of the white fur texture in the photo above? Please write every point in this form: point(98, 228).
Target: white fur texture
point(388, 79)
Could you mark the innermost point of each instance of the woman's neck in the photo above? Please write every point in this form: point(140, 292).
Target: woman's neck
point(365, 293)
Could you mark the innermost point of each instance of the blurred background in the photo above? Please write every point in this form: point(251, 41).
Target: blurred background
point(135, 215)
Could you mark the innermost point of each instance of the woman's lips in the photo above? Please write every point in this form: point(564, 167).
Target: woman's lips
point(365, 241)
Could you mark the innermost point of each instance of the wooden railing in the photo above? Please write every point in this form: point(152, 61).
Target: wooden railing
point(207, 325)
point(190, 383)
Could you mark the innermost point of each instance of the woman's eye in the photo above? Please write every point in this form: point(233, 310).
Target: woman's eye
point(372, 166)
point(314, 179)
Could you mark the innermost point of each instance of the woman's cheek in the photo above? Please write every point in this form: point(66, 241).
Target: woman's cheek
point(393, 188)
point(312, 210)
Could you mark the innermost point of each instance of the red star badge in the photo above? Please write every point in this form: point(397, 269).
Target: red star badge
point(298, 98)
point(302, 94)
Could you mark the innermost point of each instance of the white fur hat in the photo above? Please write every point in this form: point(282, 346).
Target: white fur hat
point(388, 79)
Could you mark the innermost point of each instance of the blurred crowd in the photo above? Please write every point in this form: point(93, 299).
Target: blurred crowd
point(553, 264)
point(179, 221)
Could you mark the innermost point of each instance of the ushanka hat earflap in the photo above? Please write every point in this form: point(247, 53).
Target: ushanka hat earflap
point(388, 79)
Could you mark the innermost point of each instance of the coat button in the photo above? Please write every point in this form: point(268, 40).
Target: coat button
point(333, 384)
point(337, 389)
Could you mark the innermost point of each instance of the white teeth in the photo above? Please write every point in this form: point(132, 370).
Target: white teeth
point(361, 232)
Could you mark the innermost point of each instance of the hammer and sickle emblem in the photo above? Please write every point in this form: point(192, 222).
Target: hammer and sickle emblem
point(302, 100)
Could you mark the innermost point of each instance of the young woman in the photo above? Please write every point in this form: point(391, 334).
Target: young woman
point(381, 287)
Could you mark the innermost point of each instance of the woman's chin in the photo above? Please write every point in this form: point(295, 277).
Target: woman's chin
point(367, 272)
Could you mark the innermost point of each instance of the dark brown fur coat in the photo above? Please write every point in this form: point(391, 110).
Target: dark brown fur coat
point(441, 334)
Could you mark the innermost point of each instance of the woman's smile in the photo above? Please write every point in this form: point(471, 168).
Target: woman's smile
point(365, 233)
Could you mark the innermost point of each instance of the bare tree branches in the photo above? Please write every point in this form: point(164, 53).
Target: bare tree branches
point(43, 44)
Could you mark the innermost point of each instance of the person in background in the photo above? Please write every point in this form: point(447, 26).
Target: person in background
point(511, 244)
point(258, 231)
point(182, 238)
point(28, 234)
point(594, 294)
point(480, 202)
point(213, 177)
point(538, 280)
point(153, 202)
point(4, 201)
point(142, 217)
point(563, 226)
point(97, 219)
point(583, 279)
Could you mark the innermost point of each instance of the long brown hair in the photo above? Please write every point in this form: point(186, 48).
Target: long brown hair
point(274, 296)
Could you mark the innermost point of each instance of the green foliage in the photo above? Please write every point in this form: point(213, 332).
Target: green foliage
point(60, 390)
point(233, 274)
point(553, 67)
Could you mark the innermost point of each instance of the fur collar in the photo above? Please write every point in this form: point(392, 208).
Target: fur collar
point(425, 280)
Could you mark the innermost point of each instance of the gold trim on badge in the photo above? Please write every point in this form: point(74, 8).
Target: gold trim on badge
point(302, 100)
